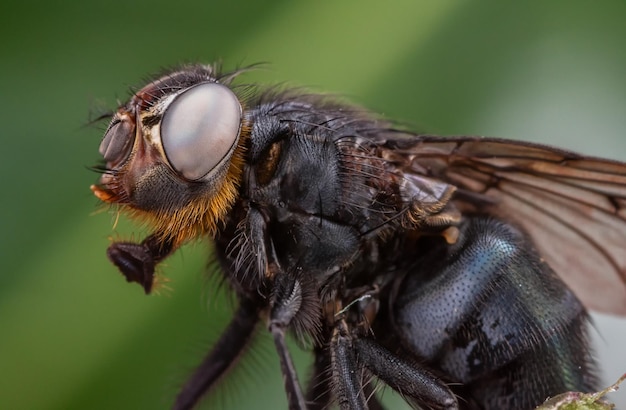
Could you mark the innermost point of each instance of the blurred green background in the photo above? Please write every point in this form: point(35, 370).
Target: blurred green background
point(73, 334)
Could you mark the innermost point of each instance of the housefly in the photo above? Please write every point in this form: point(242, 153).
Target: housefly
point(455, 270)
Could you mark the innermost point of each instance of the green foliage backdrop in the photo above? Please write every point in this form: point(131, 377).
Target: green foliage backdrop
point(73, 335)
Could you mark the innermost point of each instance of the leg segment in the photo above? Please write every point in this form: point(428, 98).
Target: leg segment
point(286, 304)
point(409, 379)
point(351, 355)
point(138, 260)
point(347, 374)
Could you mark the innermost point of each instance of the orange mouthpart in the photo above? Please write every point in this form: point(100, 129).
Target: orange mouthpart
point(102, 194)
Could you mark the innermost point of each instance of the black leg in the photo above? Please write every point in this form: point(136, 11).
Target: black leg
point(286, 303)
point(137, 260)
point(319, 393)
point(407, 378)
point(226, 350)
point(347, 382)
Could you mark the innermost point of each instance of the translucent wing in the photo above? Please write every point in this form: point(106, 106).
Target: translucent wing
point(573, 206)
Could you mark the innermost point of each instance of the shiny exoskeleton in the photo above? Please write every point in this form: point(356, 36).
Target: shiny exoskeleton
point(427, 263)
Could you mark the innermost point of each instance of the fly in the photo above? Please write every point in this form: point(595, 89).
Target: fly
point(456, 271)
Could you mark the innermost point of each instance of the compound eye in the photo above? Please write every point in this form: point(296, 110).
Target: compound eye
point(200, 129)
point(117, 142)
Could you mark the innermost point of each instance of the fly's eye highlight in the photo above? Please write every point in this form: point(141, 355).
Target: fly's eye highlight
point(117, 142)
point(200, 128)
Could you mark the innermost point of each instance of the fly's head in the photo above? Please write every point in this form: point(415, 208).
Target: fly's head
point(174, 154)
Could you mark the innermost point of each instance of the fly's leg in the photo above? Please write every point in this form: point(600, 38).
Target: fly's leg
point(346, 372)
point(222, 355)
point(352, 355)
point(138, 260)
point(320, 393)
point(408, 378)
point(286, 304)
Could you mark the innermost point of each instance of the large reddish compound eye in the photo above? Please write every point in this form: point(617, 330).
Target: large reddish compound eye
point(200, 129)
point(118, 139)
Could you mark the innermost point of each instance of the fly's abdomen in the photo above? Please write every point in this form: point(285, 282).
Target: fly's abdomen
point(495, 318)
